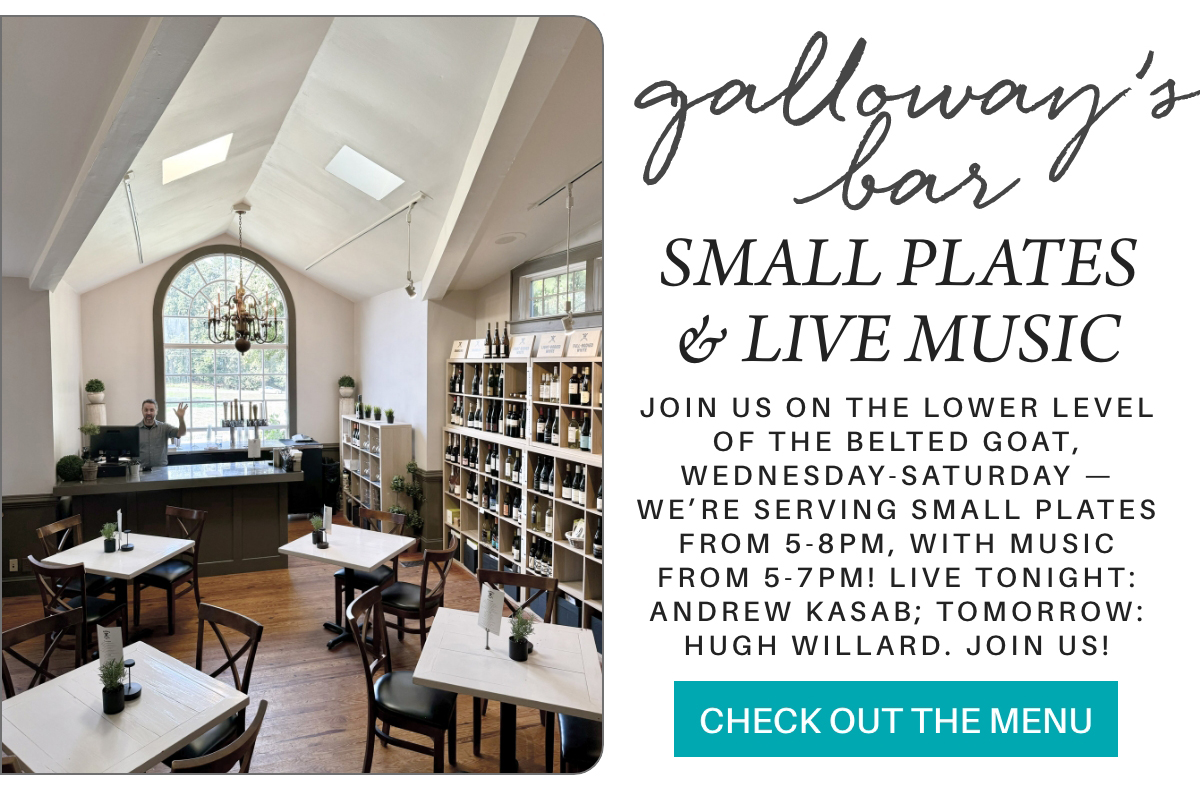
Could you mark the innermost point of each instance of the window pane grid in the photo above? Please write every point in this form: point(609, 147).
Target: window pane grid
point(548, 295)
point(204, 375)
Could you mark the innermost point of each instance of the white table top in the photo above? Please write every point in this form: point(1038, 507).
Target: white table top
point(562, 674)
point(356, 548)
point(148, 551)
point(60, 726)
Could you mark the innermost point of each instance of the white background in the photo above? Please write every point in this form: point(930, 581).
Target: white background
point(735, 176)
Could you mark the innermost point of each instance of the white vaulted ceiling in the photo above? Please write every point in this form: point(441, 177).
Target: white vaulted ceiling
point(414, 95)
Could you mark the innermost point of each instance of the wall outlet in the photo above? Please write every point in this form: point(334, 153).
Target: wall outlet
point(12, 566)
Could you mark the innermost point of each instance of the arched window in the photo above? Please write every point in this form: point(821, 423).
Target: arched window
point(190, 369)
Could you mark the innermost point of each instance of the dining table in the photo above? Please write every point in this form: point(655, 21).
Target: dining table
point(124, 564)
point(354, 549)
point(562, 674)
point(60, 726)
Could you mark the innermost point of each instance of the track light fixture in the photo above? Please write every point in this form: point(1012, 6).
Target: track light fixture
point(568, 321)
point(410, 288)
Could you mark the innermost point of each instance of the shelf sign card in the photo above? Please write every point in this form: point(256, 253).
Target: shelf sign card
point(551, 345)
point(327, 519)
point(459, 350)
point(522, 346)
point(476, 349)
point(584, 343)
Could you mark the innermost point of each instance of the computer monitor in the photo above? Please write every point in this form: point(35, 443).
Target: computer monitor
point(115, 442)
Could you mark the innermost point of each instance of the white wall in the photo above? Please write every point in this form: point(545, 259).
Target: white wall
point(493, 301)
point(27, 393)
point(391, 331)
point(66, 362)
point(492, 304)
point(118, 344)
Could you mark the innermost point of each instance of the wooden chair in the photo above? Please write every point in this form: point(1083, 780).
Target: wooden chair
point(53, 628)
point(234, 726)
point(543, 585)
point(239, 752)
point(64, 534)
point(412, 602)
point(54, 583)
point(393, 698)
point(582, 743)
point(172, 573)
point(343, 589)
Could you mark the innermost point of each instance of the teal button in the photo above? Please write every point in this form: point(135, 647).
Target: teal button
point(895, 718)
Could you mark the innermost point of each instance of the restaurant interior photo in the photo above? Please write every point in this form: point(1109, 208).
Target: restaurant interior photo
point(302, 395)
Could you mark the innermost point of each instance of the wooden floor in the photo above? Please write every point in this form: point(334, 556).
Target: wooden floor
point(316, 722)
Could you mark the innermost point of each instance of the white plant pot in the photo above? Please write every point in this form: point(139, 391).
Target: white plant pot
point(96, 398)
point(345, 392)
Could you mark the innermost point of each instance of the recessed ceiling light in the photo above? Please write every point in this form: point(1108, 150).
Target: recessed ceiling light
point(201, 157)
point(509, 237)
point(362, 173)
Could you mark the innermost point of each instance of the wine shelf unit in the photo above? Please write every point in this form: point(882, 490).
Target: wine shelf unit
point(384, 451)
point(579, 571)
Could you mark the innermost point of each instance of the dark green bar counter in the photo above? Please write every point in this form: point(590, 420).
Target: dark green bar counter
point(247, 505)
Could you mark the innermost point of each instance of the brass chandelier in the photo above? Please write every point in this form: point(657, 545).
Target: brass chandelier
point(242, 319)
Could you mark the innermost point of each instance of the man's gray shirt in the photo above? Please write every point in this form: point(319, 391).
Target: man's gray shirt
point(152, 442)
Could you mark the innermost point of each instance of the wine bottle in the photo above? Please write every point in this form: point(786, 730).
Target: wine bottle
point(541, 426)
point(504, 346)
point(554, 437)
point(549, 479)
point(533, 515)
point(580, 486)
point(585, 387)
point(555, 387)
point(573, 430)
point(573, 386)
point(517, 513)
point(600, 495)
point(585, 433)
point(487, 342)
point(516, 546)
point(507, 509)
point(597, 540)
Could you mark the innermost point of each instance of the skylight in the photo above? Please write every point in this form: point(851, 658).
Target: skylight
point(201, 157)
point(362, 173)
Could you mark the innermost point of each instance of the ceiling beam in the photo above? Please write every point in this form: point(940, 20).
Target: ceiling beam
point(536, 52)
point(162, 59)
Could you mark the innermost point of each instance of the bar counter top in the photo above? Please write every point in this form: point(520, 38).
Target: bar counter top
point(185, 477)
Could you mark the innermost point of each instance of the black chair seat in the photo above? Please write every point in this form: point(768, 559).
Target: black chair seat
point(207, 742)
point(162, 575)
point(582, 741)
point(97, 609)
point(407, 597)
point(365, 580)
point(96, 585)
point(395, 693)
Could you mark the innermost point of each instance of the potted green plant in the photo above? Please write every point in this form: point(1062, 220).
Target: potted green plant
point(70, 468)
point(378, 413)
point(318, 525)
point(90, 429)
point(391, 415)
point(111, 674)
point(412, 488)
point(108, 532)
point(95, 390)
point(346, 386)
point(518, 641)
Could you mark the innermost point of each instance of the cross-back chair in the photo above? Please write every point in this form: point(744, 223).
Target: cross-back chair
point(238, 753)
point(547, 586)
point(407, 601)
point(171, 574)
point(57, 585)
point(346, 582)
point(234, 726)
point(392, 697)
point(52, 629)
point(62, 535)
